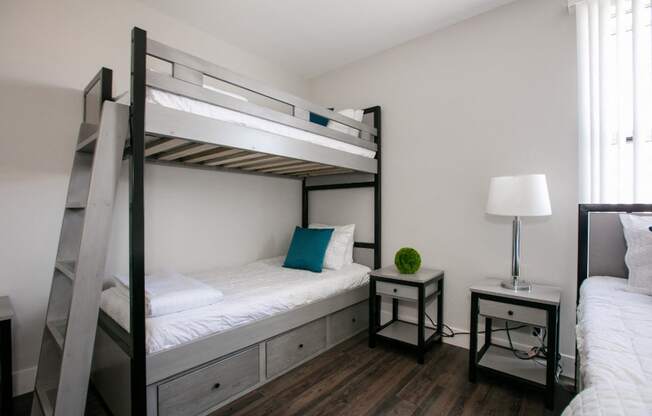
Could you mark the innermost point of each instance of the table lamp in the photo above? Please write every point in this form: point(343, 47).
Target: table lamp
point(518, 196)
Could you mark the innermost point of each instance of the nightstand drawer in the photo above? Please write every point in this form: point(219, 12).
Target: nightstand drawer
point(399, 291)
point(510, 312)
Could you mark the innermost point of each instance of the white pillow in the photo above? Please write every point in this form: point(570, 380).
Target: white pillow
point(639, 252)
point(350, 113)
point(340, 249)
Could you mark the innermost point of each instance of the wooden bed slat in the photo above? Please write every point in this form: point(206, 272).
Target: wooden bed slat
point(280, 163)
point(236, 158)
point(162, 145)
point(190, 149)
point(210, 154)
point(261, 159)
point(296, 168)
point(300, 170)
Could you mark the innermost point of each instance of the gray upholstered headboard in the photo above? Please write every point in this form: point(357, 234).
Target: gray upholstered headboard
point(601, 242)
point(606, 245)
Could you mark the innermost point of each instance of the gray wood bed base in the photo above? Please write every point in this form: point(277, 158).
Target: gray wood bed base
point(170, 130)
point(111, 363)
point(203, 375)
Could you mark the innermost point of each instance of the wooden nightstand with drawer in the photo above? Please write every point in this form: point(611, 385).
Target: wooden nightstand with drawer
point(538, 308)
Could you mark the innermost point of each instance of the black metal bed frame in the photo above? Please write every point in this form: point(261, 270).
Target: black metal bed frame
point(584, 211)
point(584, 214)
point(135, 340)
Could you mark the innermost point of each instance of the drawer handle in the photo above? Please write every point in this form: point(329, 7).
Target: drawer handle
point(300, 346)
point(395, 290)
point(216, 386)
point(510, 313)
point(353, 320)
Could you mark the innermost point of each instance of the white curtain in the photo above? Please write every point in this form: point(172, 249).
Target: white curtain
point(614, 63)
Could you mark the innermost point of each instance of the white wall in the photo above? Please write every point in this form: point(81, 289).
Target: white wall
point(50, 50)
point(493, 95)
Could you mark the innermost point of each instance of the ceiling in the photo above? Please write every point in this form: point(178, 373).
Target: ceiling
point(311, 37)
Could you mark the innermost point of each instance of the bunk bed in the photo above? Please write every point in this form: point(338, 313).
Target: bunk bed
point(198, 115)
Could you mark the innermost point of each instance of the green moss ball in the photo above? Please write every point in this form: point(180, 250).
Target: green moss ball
point(407, 260)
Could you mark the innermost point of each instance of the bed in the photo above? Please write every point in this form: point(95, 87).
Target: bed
point(614, 325)
point(194, 106)
point(252, 292)
point(195, 114)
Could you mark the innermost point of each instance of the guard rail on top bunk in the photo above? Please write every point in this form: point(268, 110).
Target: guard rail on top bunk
point(174, 137)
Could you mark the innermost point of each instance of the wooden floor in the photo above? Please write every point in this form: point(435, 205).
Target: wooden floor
point(352, 379)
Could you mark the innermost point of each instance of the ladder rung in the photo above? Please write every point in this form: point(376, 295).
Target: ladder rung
point(58, 331)
point(66, 267)
point(44, 400)
point(76, 205)
point(88, 144)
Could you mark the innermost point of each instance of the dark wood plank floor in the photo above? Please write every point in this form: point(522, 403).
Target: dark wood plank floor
point(352, 379)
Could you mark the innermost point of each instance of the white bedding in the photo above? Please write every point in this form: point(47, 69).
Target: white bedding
point(251, 292)
point(614, 341)
point(201, 108)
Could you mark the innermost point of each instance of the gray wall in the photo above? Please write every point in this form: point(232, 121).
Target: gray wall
point(493, 95)
point(50, 50)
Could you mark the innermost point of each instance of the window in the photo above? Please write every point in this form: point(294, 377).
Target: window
point(614, 41)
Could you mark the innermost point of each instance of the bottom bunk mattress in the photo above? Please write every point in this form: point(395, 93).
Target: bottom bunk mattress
point(252, 292)
point(614, 342)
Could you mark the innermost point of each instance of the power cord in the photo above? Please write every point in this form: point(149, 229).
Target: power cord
point(535, 354)
point(452, 333)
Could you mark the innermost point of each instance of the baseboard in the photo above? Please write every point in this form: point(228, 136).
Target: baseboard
point(567, 362)
point(24, 380)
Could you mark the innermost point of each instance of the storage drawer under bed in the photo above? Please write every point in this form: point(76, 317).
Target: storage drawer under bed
point(518, 313)
point(206, 387)
point(288, 349)
point(348, 322)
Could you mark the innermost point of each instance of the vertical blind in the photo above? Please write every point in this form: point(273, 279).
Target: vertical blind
point(614, 62)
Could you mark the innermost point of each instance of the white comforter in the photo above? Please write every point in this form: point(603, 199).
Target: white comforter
point(614, 341)
point(251, 292)
point(178, 102)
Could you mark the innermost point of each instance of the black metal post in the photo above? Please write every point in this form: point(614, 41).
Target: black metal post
point(373, 308)
point(137, 222)
point(304, 204)
point(552, 350)
point(440, 309)
point(6, 403)
point(473, 341)
point(421, 324)
point(377, 190)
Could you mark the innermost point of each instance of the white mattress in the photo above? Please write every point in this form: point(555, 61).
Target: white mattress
point(251, 292)
point(614, 341)
point(178, 102)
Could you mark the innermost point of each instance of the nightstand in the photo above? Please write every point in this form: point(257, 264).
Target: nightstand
point(417, 288)
point(538, 308)
point(6, 389)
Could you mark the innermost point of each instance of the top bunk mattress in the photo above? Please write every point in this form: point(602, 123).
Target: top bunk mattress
point(614, 333)
point(252, 292)
point(179, 102)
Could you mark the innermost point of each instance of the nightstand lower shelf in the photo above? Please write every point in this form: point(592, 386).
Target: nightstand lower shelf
point(406, 332)
point(502, 359)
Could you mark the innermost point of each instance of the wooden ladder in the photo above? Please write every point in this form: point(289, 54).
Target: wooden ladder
point(71, 319)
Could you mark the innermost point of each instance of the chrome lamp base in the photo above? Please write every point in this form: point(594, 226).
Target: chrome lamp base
point(517, 285)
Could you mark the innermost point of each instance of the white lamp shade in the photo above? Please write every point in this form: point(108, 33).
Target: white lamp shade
point(519, 196)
